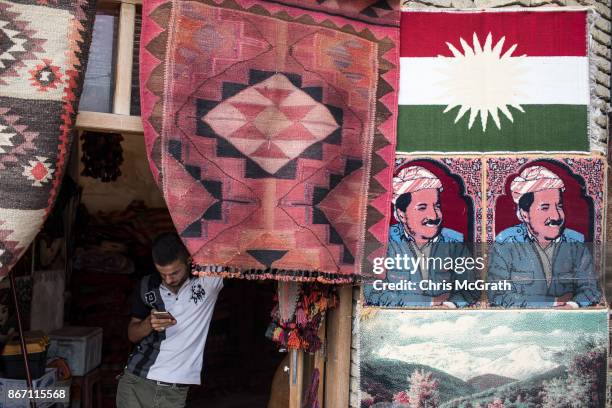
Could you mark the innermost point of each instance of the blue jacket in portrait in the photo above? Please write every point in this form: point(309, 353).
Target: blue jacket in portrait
point(515, 257)
point(448, 244)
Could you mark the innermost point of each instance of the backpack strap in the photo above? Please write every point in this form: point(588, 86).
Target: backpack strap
point(150, 294)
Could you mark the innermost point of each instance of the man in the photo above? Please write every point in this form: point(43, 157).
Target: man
point(546, 263)
point(169, 351)
point(419, 235)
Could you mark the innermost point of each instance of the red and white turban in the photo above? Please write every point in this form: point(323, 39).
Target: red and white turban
point(534, 179)
point(414, 178)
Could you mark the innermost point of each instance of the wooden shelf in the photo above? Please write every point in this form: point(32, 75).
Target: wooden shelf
point(120, 121)
point(108, 122)
point(125, 55)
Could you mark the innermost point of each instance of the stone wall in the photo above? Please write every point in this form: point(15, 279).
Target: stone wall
point(600, 102)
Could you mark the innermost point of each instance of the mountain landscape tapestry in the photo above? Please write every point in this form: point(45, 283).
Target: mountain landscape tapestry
point(270, 128)
point(43, 51)
point(494, 359)
point(494, 81)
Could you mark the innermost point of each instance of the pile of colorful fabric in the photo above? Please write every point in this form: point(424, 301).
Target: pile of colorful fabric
point(298, 330)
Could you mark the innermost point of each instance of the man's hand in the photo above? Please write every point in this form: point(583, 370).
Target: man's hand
point(160, 324)
point(138, 329)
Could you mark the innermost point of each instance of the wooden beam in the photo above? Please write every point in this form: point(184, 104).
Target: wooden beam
point(296, 378)
point(108, 122)
point(338, 364)
point(319, 363)
point(125, 59)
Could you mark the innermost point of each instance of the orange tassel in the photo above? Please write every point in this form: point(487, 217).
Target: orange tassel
point(294, 340)
point(323, 303)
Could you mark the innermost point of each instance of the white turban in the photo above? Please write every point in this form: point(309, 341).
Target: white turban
point(414, 178)
point(534, 179)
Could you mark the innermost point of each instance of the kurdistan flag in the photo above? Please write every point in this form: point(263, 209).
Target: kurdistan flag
point(494, 81)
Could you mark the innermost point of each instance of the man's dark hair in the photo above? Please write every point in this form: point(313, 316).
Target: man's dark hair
point(167, 248)
point(525, 201)
point(402, 201)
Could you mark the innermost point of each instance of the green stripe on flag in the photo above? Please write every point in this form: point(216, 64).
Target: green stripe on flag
point(541, 127)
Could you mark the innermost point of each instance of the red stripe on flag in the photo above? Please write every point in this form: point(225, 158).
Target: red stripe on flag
point(536, 33)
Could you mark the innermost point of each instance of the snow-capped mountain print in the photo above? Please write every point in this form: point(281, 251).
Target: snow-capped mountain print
point(471, 358)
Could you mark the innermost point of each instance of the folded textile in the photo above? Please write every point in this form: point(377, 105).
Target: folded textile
point(43, 51)
point(270, 128)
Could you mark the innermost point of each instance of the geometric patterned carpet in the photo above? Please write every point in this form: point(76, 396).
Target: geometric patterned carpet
point(43, 47)
point(270, 128)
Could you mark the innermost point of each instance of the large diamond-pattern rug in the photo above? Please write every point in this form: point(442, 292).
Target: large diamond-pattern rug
point(43, 49)
point(271, 122)
point(270, 128)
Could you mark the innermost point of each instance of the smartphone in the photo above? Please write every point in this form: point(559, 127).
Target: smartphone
point(163, 315)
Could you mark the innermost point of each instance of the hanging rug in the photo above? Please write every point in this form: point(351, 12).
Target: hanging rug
point(43, 50)
point(270, 128)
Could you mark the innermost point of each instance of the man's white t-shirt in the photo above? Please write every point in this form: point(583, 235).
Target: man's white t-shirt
point(174, 355)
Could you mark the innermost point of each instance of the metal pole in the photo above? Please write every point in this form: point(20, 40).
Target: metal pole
point(24, 350)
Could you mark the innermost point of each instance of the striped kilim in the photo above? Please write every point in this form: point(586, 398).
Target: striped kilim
point(43, 50)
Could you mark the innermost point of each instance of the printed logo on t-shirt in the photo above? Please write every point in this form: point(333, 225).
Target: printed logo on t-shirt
point(197, 293)
point(150, 297)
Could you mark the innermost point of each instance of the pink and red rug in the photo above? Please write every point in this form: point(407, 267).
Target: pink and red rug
point(270, 128)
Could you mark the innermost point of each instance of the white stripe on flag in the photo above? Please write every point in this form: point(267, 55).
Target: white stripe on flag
point(544, 81)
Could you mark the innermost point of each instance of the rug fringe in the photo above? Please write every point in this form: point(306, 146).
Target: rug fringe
point(302, 275)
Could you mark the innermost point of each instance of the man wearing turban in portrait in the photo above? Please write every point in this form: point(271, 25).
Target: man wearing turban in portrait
point(547, 263)
point(419, 234)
